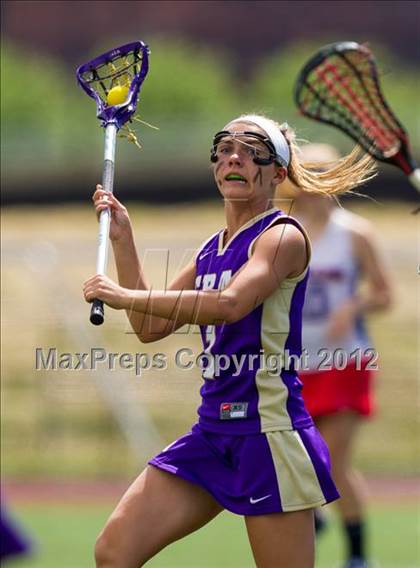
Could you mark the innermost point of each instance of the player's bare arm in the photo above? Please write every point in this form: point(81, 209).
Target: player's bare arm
point(279, 253)
point(130, 272)
point(378, 293)
point(375, 295)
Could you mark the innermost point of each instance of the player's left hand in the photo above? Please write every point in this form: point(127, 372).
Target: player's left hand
point(341, 321)
point(100, 287)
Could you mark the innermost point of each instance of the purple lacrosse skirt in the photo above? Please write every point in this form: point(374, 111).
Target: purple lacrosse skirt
point(257, 474)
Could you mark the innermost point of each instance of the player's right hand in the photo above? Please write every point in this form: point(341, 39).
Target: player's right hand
point(120, 226)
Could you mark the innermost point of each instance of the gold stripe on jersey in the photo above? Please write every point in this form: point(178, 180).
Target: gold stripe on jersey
point(298, 483)
point(272, 392)
point(275, 327)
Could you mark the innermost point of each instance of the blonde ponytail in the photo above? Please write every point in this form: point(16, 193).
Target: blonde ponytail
point(325, 178)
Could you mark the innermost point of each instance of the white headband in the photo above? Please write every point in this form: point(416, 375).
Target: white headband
point(276, 136)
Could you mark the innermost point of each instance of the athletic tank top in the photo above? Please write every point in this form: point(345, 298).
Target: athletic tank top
point(250, 383)
point(333, 280)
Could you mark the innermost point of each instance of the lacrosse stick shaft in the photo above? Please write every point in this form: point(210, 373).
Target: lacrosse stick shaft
point(97, 310)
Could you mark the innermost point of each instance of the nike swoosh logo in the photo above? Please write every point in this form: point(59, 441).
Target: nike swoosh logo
point(253, 501)
point(204, 255)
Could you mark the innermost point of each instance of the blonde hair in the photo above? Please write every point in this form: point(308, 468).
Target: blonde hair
point(329, 176)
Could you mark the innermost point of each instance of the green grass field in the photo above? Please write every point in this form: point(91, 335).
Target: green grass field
point(65, 537)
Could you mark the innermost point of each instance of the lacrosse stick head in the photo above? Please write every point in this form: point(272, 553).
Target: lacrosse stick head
point(339, 85)
point(124, 67)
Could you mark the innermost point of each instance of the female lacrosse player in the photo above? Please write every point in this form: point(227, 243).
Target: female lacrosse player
point(337, 381)
point(254, 450)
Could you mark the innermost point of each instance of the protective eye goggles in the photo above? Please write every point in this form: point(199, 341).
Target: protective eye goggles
point(257, 159)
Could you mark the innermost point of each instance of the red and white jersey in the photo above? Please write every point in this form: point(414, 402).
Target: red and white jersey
point(333, 278)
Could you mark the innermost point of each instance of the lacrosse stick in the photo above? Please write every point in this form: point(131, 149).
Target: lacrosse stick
point(339, 85)
point(113, 80)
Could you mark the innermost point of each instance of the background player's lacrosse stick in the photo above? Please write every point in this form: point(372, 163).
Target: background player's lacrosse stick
point(339, 85)
point(113, 80)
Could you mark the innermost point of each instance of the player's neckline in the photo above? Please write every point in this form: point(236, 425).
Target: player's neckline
point(222, 248)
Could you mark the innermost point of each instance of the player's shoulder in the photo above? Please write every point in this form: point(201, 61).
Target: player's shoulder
point(361, 231)
point(359, 227)
point(282, 234)
point(285, 225)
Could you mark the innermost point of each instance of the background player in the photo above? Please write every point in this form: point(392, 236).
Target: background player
point(344, 256)
point(254, 450)
point(13, 542)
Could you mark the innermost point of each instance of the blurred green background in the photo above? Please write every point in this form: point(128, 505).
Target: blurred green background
point(52, 143)
point(210, 61)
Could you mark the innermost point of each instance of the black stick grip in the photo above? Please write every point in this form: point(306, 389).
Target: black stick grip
point(97, 312)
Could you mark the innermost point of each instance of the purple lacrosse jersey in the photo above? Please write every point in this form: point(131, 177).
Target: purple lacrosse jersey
point(249, 366)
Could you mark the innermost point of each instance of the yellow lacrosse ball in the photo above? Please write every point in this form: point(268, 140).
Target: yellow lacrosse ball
point(117, 95)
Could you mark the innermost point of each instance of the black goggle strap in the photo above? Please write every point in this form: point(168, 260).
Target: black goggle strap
point(257, 160)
